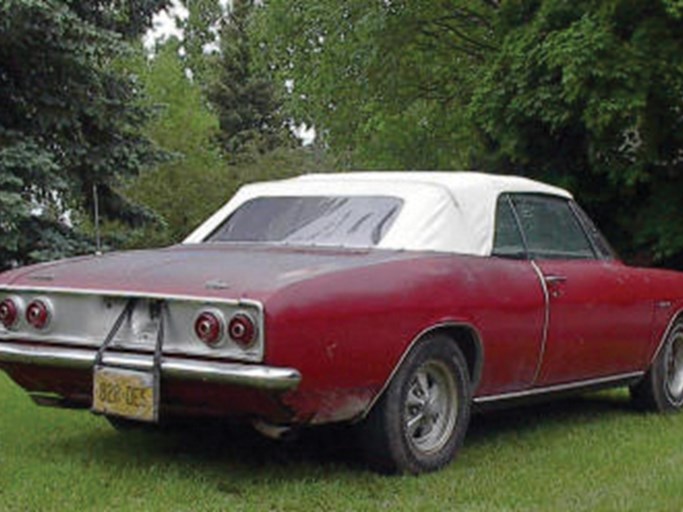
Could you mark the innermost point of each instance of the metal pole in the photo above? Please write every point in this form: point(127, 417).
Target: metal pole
point(98, 241)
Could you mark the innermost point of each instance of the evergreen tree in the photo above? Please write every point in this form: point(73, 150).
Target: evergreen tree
point(69, 120)
point(246, 101)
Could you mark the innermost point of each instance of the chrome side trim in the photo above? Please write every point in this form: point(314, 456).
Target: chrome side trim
point(559, 388)
point(256, 376)
point(674, 317)
point(424, 332)
point(546, 320)
point(132, 294)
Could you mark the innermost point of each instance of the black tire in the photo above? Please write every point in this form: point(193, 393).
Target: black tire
point(420, 421)
point(661, 389)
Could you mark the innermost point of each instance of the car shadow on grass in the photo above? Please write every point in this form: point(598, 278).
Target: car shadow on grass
point(568, 411)
point(215, 444)
point(227, 448)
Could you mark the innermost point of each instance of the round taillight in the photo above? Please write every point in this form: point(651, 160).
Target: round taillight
point(9, 313)
point(38, 314)
point(242, 329)
point(209, 328)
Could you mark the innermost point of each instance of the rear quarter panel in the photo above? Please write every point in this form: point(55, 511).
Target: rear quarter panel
point(347, 331)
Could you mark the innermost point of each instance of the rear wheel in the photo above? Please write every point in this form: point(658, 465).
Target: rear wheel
point(420, 421)
point(662, 387)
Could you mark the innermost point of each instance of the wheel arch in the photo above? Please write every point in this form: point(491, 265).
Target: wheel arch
point(675, 318)
point(654, 391)
point(464, 335)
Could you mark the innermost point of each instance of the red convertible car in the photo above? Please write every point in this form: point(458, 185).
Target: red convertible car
point(396, 301)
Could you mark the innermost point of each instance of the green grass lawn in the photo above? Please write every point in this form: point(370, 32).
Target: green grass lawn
point(589, 453)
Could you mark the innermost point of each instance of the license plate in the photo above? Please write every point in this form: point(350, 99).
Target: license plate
point(125, 393)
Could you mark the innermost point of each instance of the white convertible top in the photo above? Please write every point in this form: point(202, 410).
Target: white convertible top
point(442, 211)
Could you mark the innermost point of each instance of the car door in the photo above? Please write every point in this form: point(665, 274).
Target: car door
point(513, 321)
point(597, 323)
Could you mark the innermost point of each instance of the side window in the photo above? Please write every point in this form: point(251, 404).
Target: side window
point(507, 240)
point(599, 241)
point(551, 227)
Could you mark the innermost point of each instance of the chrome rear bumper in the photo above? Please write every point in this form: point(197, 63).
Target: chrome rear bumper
point(254, 376)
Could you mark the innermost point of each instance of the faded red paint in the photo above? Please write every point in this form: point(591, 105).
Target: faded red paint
point(345, 319)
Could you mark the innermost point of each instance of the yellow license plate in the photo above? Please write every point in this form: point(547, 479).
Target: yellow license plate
point(125, 393)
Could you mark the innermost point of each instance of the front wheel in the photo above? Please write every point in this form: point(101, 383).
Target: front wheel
point(419, 423)
point(662, 387)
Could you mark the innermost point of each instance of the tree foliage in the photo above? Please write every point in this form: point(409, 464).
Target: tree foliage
point(245, 99)
point(586, 94)
point(200, 37)
point(129, 18)
point(383, 82)
point(69, 120)
point(186, 189)
point(590, 95)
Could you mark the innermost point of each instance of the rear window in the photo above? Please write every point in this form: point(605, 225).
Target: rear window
point(357, 221)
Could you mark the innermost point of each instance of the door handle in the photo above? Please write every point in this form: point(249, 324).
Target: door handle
point(553, 279)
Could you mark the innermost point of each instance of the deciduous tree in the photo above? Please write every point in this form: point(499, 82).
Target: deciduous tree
point(196, 180)
point(589, 94)
point(585, 94)
point(384, 83)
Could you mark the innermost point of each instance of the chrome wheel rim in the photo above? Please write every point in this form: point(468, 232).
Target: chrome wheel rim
point(674, 369)
point(431, 407)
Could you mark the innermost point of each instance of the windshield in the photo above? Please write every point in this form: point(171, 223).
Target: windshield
point(356, 221)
